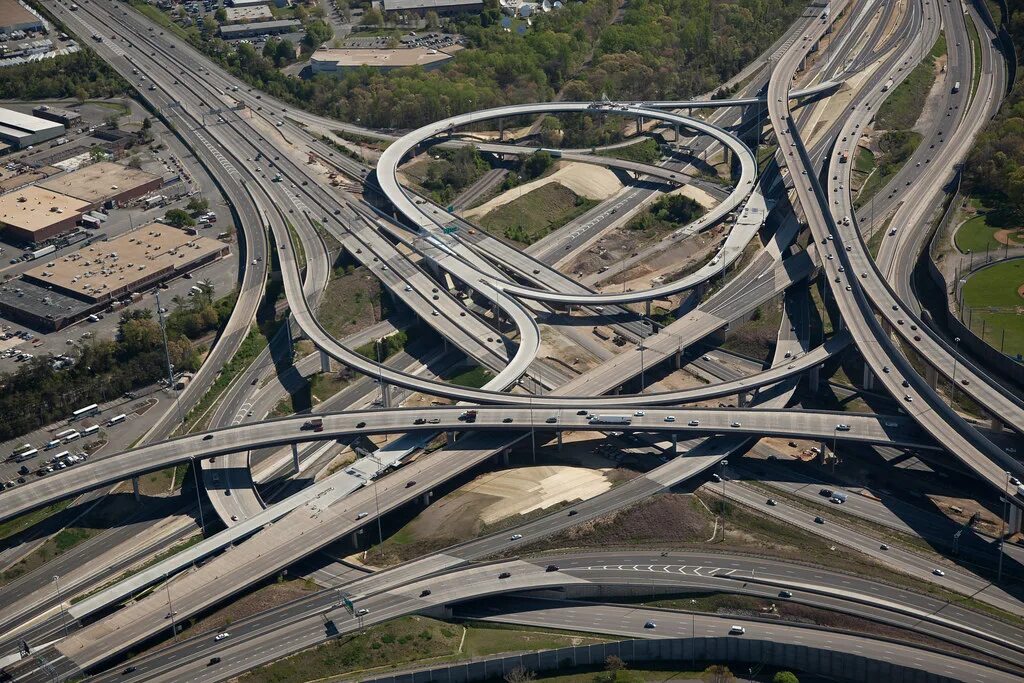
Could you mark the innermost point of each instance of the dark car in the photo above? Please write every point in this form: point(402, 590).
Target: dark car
point(410, 484)
point(207, 437)
point(360, 425)
point(573, 512)
point(128, 670)
point(551, 420)
point(827, 493)
point(419, 421)
point(507, 420)
point(425, 592)
point(214, 660)
point(819, 520)
point(504, 575)
point(552, 568)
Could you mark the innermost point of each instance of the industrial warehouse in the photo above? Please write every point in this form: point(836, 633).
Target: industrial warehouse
point(53, 207)
point(66, 289)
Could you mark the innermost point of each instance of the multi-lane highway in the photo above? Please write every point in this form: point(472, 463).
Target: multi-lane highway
point(245, 153)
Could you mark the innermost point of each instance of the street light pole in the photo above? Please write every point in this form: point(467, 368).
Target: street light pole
point(724, 464)
point(952, 392)
point(642, 380)
point(60, 603)
point(199, 501)
point(1002, 526)
point(170, 608)
point(376, 498)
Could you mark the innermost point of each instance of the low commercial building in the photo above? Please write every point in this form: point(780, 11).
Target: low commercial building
point(67, 117)
point(104, 184)
point(107, 271)
point(15, 17)
point(42, 308)
point(245, 3)
point(340, 60)
point(238, 15)
point(441, 7)
point(34, 214)
point(21, 130)
point(259, 28)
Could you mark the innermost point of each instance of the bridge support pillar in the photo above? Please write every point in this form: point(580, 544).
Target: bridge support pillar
point(639, 125)
point(325, 362)
point(868, 380)
point(559, 437)
point(501, 130)
point(425, 498)
point(823, 455)
point(647, 308)
point(288, 336)
point(675, 445)
point(677, 138)
point(135, 488)
point(295, 457)
point(449, 438)
point(385, 395)
point(931, 376)
point(814, 377)
point(995, 424)
point(1013, 523)
point(743, 399)
point(679, 358)
point(506, 457)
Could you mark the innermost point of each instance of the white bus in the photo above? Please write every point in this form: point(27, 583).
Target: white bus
point(25, 455)
point(71, 437)
point(87, 411)
point(89, 431)
point(60, 435)
point(60, 456)
point(21, 449)
point(117, 419)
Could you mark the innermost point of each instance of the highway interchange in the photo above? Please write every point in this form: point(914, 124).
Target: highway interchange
point(873, 298)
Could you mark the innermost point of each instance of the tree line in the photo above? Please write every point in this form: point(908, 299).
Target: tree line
point(37, 394)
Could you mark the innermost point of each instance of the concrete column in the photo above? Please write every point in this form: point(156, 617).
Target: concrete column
point(506, 457)
point(679, 358)
point(449, 439)
point(288, 335)
point(647, 308)
point(868, 380)
point(995, 423)
point(325, 362)
point(425, 498)
point(824, 450)
point(1014, 522)
point(501, 130)
point(639, 125)
point(675, 444)
point(559, 437)
point(931, 375)
point(677, 135)
point(135, 488)
point(743, 399)
point(814, 377)
point(385, 395)
point(295, 457)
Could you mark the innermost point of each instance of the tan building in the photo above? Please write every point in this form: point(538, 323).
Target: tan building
point(104, 183)
point(105, 271)
point(14, 17)
point(238, 15)
point(340, 60)
point(35, 214)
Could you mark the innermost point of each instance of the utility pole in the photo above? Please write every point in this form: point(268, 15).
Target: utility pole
point(199, 502)
point(170, 608)
point(1002, 526)
point(60, 602)
point(167, 357)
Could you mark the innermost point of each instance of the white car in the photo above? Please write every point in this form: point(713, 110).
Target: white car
point(221, 636)
point(670, 418)
point(639, 413)
point(515, 537)
point(938, 572)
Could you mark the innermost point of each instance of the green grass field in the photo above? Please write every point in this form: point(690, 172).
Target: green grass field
point(992, 294)
point(528, 218)
point(978, 235)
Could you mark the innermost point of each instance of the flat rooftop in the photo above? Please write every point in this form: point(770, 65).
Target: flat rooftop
point(355, 57)
point(98, 182)
point(33, 208)
point(397, 5)
point(13, 14)
point(248, 13)
point(140, 256)
point(40, 301)
point(26, 123)
point(282, 24)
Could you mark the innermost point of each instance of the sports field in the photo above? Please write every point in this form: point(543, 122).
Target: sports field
point(978, 235)
point(995, 296)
